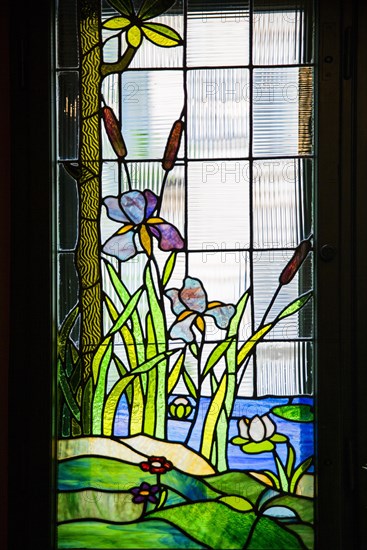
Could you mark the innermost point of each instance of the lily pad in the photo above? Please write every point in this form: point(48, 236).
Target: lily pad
point(295, 413)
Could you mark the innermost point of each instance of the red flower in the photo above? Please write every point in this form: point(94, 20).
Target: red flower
point(156, 465)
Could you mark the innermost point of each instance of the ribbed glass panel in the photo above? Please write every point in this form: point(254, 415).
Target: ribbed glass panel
point(67, 203)
point(284, 368)
point(151, 102)
point(217, 37)
point(282, 34)
point(282, 193)
point(218, 205)
point(218, 113)
point(280, 126)
point(67, 114)
point(267, 267)
point(110, 179)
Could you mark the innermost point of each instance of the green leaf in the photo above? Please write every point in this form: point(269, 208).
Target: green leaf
point(65, 330)
point(302, 468)
point(168, 268)
point(152, 8)
point(291, 458)
point(145, 367)
point(295, 413)
point(272, 477)
point(216, 355)
point(175, 372)
point(117, 23)
point(161, 35)
point(69, 398)
point(284, 483)
point(236, 319)
point(294, 306)
point(99, 357)
point(190, 385)
point(237, 503)
point(111, 403)
point(194, 349)
point(99, 392)
point(124, 296)
point(279, 438)
point(257, 448)
point(123, 6)
point(239, 440)
point(129, 308)
point(251, 342)
point(162, 499)
point(212, 417)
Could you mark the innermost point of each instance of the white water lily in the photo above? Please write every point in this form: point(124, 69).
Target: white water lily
point(257, 429)
point(257, 435)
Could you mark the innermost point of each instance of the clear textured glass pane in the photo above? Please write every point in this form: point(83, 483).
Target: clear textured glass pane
point(282, 32)
point(67, 114)
point(151, 102)
point(282, 199)
point(218, 113)
point(218, 205)
point(284, 368)
point(267, 267)
point(66, 34)
point(282, 112)
point(67, 199)
point(217, 34)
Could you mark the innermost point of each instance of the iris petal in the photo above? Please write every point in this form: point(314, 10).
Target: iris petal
point(221, 314)
point(114, 210)
point(168, 236)
point(121, 246)
point(182, 329)
point(151, 199)
point(193, 295)
point(133, 204)
point(177, 306)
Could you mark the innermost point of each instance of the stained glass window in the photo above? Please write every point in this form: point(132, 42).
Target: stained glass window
point(185, 360)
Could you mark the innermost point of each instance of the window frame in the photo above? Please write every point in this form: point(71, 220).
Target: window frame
point(340, 299)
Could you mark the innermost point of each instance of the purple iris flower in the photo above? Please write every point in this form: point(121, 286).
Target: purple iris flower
point(135, 210)
point(190, 304)
point(145, 493)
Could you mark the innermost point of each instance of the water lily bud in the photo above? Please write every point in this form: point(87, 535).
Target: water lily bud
point(173, 145)
point(180, 408)
point(113, 131)
point(295, 262)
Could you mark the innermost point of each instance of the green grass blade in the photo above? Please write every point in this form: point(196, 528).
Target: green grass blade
point(87, 407)
point(273, 478)
point(190, 385)
point(99, 357)
point(159, 325)
point(236, 319)
point(112, 402)
point(251, 342)
point(65, 330)
point(69, 398)
point(168, 268)
point(100, 390)
point(129, 309)
point(151, 352)
point(212, 416)
point(216, 355)
point(284, 484)
point(291, 458)
point(302, 468)
point(125, 296)
point(175, 373)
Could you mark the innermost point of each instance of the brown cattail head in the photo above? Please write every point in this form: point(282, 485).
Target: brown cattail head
point(295, 262)
point(173, 145)
point(113, 132)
